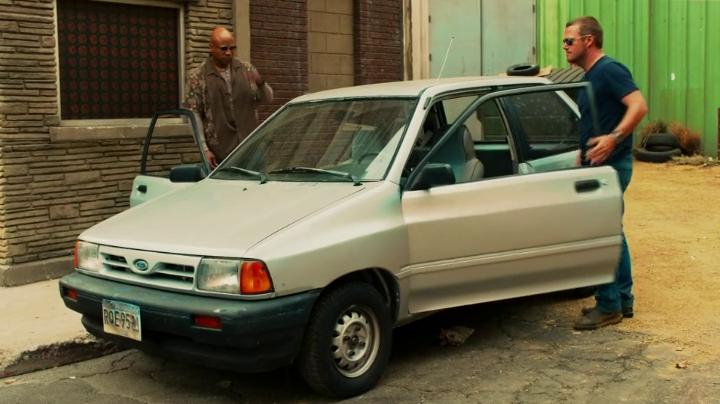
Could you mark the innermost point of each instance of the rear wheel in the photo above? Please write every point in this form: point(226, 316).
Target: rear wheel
point(347, 342)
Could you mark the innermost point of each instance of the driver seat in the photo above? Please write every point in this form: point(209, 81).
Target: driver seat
point(474, 169)
point(458, 151)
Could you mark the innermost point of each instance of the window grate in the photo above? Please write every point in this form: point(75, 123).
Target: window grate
point(117, 60)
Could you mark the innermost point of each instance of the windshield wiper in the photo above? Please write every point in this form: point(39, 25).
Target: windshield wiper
point(262, 176)
point(342, 174)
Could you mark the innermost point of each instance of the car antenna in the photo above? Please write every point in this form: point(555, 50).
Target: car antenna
point(447, 52)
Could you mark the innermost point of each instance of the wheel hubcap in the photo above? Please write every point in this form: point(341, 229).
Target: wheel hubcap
point(355, 342)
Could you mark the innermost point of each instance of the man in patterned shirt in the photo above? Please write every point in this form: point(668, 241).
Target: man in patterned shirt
point(225, 92)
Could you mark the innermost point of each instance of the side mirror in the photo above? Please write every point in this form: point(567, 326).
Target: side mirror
point(433, 175)
point(186, 173)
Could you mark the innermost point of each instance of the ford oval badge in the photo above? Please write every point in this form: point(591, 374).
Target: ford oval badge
point(141, 265)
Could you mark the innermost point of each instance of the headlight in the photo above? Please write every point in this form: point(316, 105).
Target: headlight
point(87, 256)
point(247, 277)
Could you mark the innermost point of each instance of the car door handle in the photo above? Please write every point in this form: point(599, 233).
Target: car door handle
point(586, 185)
point(142, 188)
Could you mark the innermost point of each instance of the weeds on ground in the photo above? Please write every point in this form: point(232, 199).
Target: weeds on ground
point(695, 160)
point(689, 140)
point(653, 127)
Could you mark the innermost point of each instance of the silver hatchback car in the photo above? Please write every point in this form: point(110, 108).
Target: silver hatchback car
point(346, 213)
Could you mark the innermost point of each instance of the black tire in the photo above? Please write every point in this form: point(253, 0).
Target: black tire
point(523, 69)
point(661, 139)
point(659, 148)
point(643, 154)
point(347, 342)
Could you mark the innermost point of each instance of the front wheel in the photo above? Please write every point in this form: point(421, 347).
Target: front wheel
point(347, 342)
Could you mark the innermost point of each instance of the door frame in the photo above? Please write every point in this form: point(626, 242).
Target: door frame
point(197, 133)
point(413, 177)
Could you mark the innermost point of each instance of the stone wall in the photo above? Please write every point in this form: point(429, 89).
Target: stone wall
point(51, 189)
point(330, 44)
point(200, 19)
point(28, 106)
point(28, 90)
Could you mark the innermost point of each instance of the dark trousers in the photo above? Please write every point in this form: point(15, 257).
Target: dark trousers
point(612, 297)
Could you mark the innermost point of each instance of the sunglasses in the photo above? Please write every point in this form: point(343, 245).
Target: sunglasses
point(571, 41)
point(226, 48)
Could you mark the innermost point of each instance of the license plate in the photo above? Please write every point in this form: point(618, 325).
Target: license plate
point(121, 319)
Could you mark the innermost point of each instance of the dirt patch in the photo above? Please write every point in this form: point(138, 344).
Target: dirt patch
point(672, 222)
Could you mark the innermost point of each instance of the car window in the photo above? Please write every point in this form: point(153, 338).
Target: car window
point(168, 152)
point(486, 125)
point(543, 124)
point(532, 129)
point(170, 145)
point(324, 141)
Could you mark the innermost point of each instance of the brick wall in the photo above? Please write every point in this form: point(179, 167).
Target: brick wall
point(51, 191)
point(278, 32)
point(378, 41)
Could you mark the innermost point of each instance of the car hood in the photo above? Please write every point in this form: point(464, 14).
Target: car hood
point(216, 217)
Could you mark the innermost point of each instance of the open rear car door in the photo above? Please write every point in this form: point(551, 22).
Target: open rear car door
point(171, 159)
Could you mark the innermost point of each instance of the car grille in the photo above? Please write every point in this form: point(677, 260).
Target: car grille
point(147, 267)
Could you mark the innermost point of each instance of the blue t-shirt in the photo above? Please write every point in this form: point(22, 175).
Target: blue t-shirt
point(611, 81)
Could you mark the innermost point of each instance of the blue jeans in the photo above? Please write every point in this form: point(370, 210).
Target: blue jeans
point(612, 297)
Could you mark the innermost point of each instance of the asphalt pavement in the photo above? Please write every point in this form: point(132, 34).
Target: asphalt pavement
point(39, 332)
point(520, 351)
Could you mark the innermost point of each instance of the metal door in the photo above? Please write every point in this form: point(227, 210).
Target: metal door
point(480, 37)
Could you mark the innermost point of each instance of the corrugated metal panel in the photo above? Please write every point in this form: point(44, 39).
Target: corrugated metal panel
point(674, 55)
point(712, 73)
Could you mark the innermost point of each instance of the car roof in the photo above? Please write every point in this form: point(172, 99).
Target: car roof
point(413, 88)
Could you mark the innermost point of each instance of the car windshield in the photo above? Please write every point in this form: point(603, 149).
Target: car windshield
point(347, 140)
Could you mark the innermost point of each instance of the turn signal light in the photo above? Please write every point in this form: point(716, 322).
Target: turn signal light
point(71, 294)
point(254, 278)
point(75, 254)
point(207, 322)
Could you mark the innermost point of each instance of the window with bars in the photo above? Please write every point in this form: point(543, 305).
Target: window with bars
point(117, 60)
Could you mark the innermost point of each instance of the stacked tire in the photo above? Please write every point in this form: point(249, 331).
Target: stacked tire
point(658, 148)
point(523, 69)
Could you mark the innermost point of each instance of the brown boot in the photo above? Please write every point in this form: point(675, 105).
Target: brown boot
point(595, 319)
point(627, 311)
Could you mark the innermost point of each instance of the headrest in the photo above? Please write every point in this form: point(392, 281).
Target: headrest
point(468, 144)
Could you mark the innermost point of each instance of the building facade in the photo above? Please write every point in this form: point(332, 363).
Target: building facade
point(79, 80)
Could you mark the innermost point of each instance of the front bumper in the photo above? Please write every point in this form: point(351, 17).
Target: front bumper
point(256, 336)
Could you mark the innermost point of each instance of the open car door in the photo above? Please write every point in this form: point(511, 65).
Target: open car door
point(171, 159)
point(546, 226)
